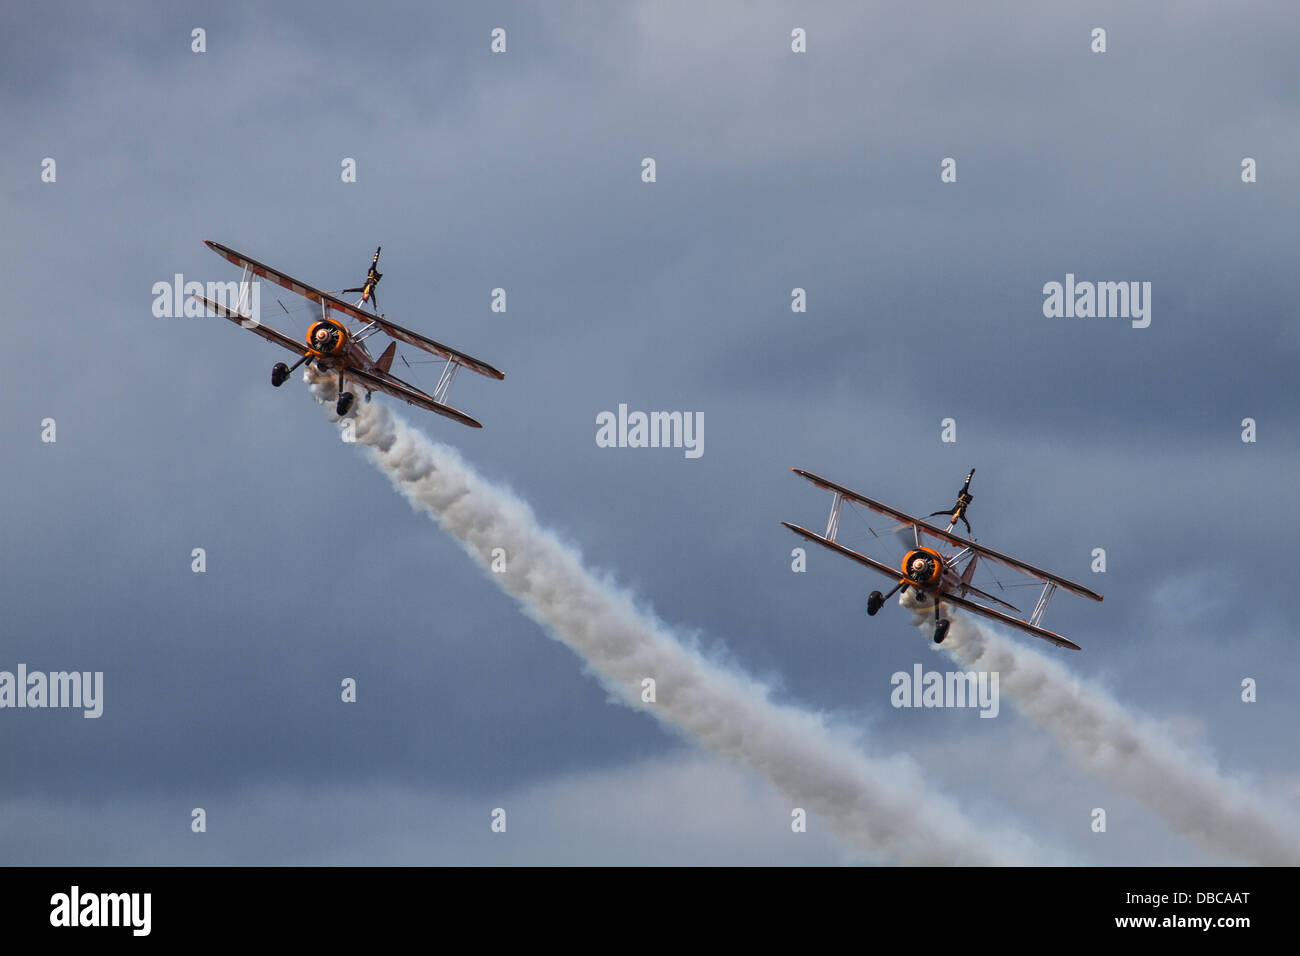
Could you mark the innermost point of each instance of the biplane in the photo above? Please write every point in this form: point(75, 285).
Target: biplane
point(332, 346)
point(941, 575)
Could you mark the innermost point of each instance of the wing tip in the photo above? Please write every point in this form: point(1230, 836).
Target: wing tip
point(1055, 638)
point(483, 368)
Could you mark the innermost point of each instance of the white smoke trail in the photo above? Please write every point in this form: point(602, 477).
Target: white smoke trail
point(881, 804)
point(1130, 752)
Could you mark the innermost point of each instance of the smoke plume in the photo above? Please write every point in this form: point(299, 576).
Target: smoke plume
point(881, 804)
point(1133, 753)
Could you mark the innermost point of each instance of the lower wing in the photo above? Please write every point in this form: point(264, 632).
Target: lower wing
point(874, 565)
point(1010, 621)
point(392, 385)
point(265, 331)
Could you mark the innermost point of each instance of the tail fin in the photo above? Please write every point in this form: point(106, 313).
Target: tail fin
point(968, 574)
point(386, 360)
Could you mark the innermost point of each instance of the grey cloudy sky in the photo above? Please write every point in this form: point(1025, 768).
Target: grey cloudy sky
point(522, 171)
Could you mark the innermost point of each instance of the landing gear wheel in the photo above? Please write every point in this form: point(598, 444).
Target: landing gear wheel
point(279, 373)
point(941, 630)
point(875, 601)
point(344, 404)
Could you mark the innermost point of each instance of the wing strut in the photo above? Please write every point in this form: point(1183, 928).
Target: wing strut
point(443, 388)
point(833, 522)
point(1036, 618)
point(245, 292)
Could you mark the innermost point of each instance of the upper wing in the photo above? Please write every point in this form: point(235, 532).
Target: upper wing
point(264, 271)
point(1010, 621)
point(900, 516)
point(392, 385)
point(926, 528)
point(265, 331)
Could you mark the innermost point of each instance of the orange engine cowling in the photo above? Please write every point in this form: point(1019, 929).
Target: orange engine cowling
point(327, 337)
point(923, 567)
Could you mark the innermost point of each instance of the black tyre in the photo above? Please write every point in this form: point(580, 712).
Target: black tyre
point(941, 630)
point(279, 373)
point(344, 403)
point(875, 601)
